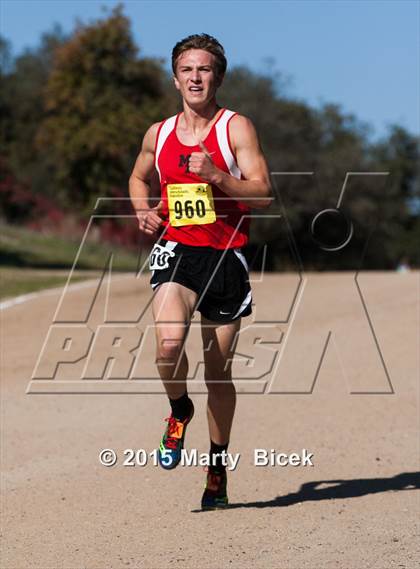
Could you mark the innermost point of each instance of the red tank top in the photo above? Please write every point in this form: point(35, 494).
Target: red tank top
point(231, 228)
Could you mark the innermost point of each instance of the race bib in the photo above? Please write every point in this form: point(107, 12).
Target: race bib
point(190, 204)
point(158, 258)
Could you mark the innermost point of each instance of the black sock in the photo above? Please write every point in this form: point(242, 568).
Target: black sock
point(181, 407)
point(216, 465)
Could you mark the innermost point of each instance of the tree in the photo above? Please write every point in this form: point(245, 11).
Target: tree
point(399, 153)
point(100, 99)
point(22, 109)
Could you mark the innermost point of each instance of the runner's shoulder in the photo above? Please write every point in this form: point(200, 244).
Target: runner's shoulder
point(149, 140)
point(241, 127)
point(241, 130)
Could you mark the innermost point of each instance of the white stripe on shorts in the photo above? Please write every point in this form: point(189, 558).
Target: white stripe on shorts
point(244, 305)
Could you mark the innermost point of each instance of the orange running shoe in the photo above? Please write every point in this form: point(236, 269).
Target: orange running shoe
point(172, 443)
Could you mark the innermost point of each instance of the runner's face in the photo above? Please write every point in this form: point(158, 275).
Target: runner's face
point(196, 78)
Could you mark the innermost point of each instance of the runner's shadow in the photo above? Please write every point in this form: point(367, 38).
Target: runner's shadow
point(337, 489)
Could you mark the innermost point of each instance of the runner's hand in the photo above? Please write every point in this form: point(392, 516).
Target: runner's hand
point(151, 219)
point(201, 163)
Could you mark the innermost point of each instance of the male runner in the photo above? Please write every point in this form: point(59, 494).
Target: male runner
point(211, 170)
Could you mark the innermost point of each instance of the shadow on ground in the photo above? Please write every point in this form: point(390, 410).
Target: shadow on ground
point(337, 489)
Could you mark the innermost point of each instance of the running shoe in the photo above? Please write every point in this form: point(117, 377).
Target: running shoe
point(215, 496)
point(172, 443)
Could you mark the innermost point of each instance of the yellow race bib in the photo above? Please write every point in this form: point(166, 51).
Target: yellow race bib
point(190, 204)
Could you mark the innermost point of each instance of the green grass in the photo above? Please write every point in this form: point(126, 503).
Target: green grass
point(31, 261)
point(14, 282)
point(20, 247)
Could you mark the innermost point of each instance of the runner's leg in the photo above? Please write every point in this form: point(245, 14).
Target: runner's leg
point(173, 306)
point(219, 341)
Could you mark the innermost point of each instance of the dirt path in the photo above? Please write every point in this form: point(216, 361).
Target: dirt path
point(355, 508)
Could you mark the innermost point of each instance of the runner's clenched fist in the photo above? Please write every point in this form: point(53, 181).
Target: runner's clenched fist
point(201, 163)
point(150, 219)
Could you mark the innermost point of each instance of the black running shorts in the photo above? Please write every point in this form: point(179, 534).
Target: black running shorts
point(219, 277)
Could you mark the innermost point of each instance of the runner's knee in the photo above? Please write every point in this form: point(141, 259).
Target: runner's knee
point(169, 350)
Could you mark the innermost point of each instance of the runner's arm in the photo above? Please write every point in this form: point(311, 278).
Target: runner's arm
point(140, 183)
point(251, 162)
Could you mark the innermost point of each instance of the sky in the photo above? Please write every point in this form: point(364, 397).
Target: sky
point(361, 54)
